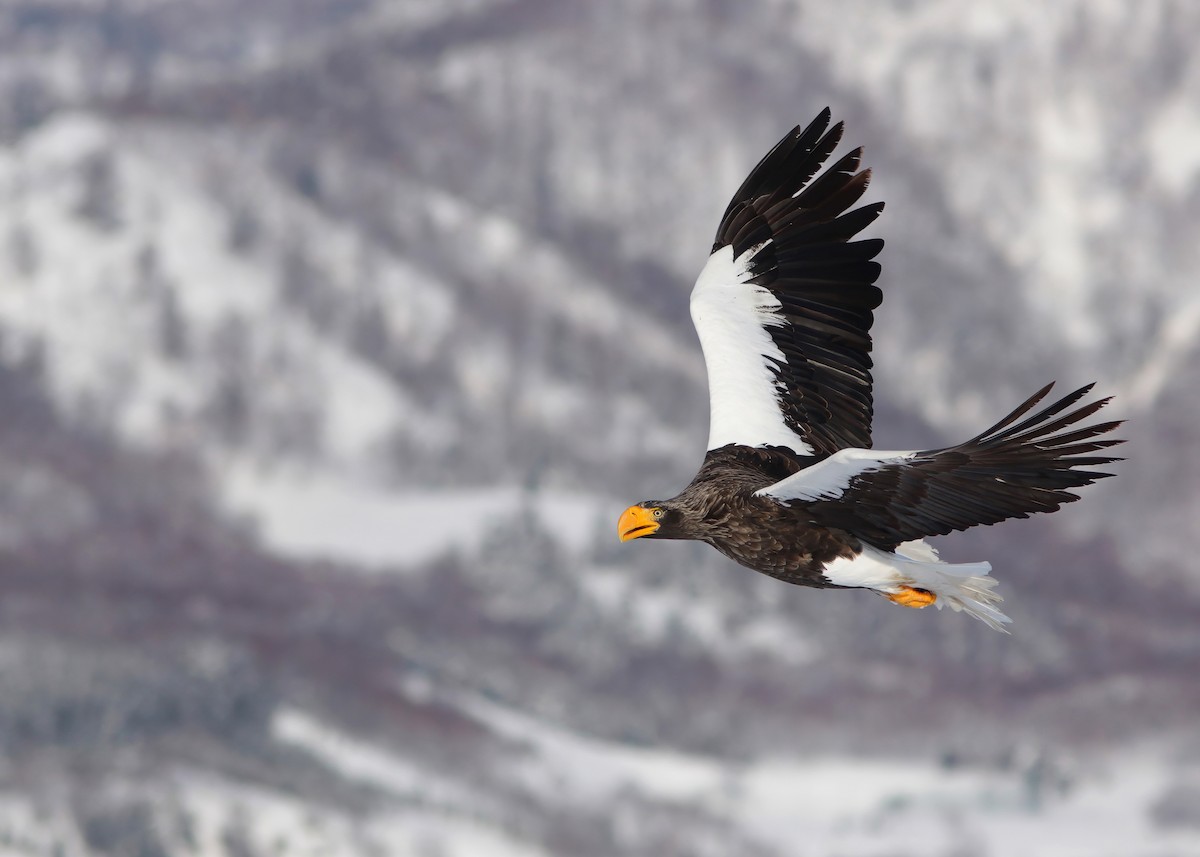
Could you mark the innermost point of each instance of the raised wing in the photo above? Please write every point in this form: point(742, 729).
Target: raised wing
point(783, 307)
point(1009, 471)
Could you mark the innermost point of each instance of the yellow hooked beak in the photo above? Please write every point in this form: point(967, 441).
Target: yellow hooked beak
point(636, 521)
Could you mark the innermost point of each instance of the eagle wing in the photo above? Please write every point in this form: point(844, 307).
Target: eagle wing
point(784, 306)
point(1008, 471)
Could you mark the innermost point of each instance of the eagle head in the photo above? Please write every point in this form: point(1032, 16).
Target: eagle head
point(650, 518)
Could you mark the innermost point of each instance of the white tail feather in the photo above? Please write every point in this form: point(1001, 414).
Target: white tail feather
point(962, 586)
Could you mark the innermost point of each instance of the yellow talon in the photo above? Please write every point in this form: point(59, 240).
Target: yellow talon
point(910, 596)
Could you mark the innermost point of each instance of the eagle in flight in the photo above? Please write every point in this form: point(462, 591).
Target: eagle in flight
point(790, 486)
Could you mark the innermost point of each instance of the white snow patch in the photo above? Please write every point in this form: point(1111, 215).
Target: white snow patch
point(1174, 143)
point(272, 822)
point(1176, 342)
point(317, 516)
point(362, 761)
point(65, 138)
point(583, 771)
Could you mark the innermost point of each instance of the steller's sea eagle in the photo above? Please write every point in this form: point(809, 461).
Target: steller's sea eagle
point(789, 485)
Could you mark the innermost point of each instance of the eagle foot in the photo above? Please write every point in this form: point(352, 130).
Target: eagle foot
point(910, 596)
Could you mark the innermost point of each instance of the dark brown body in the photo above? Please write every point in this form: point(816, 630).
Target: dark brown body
point(719, 507)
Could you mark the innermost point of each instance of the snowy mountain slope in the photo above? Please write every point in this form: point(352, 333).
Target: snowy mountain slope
point(184, 321)
point(145, 323)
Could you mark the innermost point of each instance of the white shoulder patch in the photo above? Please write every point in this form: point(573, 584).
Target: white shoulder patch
point(731, 317)
point(827, 479)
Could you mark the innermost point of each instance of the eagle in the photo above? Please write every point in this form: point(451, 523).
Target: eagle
point(790, 485)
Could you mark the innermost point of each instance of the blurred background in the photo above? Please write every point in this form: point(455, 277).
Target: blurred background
point(335, 334)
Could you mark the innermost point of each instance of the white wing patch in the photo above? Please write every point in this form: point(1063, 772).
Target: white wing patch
point(732, 316)
point(827, 479)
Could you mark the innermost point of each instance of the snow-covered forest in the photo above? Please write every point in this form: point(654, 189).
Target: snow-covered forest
point(335, 335)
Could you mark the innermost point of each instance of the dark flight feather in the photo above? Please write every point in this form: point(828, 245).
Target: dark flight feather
point(823, 280)
point(1008, 471)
